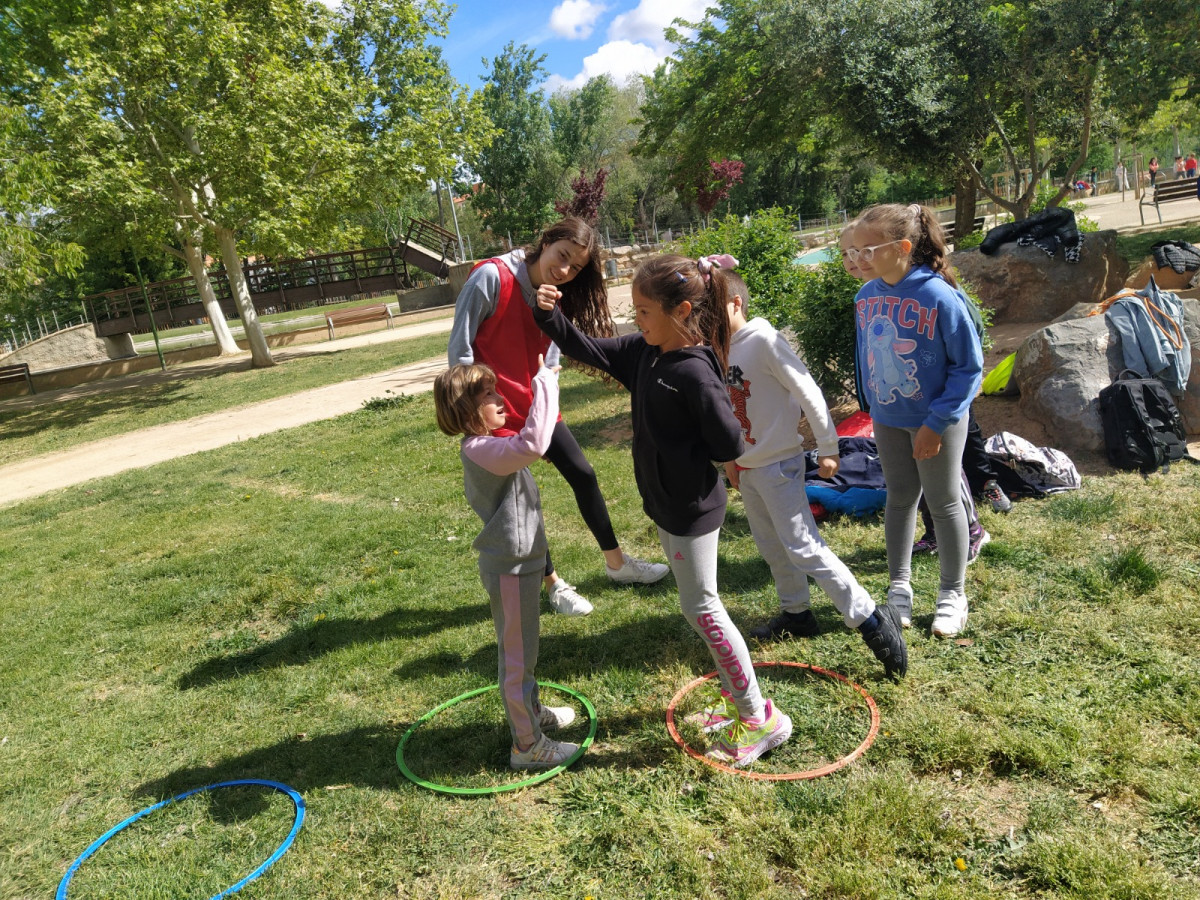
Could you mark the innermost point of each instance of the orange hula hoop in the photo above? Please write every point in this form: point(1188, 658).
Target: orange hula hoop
point(805, 775)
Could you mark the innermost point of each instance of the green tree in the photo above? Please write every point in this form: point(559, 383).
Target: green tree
point(934, 84)
point(253, 124)
point(518, 170)
point(581, 126)
point(813, 303)
point(30, 247)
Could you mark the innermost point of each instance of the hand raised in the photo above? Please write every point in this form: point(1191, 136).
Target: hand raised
point(548, 296)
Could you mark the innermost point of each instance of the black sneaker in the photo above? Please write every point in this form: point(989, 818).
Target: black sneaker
point(886, 641)
point(788, 624)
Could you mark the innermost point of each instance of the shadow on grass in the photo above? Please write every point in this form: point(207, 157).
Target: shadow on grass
point(76, 411)
point(366, 757)
point(301, 645)
point(632, 646)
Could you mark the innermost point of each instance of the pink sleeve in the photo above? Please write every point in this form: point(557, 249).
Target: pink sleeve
point(506, 455)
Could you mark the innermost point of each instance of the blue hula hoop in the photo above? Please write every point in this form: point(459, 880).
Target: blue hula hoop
point(297, 802)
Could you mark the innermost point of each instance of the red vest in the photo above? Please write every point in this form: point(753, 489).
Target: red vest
point(510, 342)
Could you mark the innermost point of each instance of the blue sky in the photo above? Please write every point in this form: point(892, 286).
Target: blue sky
point(580, 38)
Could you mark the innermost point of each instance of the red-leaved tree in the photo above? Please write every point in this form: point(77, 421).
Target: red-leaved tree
point(588, 195)
point(714, 184)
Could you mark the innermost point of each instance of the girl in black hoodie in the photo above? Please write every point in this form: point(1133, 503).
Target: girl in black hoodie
point(674, 371)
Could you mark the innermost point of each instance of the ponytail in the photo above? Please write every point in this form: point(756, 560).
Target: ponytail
point(669, 280)
point(918, 225)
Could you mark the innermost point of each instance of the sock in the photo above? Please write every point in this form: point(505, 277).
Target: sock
point(870, 623)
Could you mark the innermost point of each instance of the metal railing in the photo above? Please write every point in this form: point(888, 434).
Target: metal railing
point(15, 335)
point(280, 285)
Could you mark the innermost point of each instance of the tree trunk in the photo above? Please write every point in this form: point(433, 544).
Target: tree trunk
point(964, 204)
point(260, 353)
point(226, 345)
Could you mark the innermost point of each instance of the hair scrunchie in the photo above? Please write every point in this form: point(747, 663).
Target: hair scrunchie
point(914, 208)
point(717, 260)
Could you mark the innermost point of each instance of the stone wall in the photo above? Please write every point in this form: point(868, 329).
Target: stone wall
point(627, 258)
point(70, 347)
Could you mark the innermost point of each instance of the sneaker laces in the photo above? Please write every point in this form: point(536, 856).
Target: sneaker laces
point(717, 705)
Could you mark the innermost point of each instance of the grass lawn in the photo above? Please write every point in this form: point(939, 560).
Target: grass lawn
point(148, 400)
point(1136, 247)
point(284, 608)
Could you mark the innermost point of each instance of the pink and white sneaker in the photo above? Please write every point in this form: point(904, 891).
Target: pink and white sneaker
point(717, 713)
point(745, 740)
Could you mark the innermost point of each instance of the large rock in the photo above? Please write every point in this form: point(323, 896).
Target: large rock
point(1061, 369)
point(1189, 403)
point(1023, 284)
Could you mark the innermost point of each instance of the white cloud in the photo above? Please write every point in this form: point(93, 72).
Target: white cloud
point(617, 59)
point(650, 18)
point(575, 19)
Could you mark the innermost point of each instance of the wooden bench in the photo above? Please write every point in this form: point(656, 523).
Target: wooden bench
point(356, 315)
point(17, 372)
point(1167, 192)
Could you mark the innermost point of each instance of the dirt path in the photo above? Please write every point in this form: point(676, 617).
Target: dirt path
point(135, 450)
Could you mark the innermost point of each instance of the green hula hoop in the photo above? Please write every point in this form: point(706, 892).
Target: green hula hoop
point(528, 782)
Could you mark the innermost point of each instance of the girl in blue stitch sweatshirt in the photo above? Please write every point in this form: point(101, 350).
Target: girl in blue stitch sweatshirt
point(919, 365)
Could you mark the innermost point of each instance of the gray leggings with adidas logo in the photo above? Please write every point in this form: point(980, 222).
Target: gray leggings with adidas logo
point(693, 562)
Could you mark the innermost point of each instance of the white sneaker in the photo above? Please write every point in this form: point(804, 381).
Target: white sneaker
point(544, 754)
point(899, 598)
point(951, 615)
point(565, 600)
point(637, 571)
point(553, 717)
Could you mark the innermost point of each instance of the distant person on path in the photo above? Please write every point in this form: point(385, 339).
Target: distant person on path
point(772, 390)
point(1092, 179)
point(512, 545)
point(919, 364)
point(1190, 165)
point(493, 324)
point(674, 370)
point(1153, 169)
point(1180, 168)
point(1122, 177)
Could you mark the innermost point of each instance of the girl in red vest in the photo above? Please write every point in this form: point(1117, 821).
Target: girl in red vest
point(493, 325)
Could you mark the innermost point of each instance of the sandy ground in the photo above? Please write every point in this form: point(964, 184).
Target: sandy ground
point(55, 471)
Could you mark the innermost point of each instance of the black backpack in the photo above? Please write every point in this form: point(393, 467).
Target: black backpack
point(1142, 426)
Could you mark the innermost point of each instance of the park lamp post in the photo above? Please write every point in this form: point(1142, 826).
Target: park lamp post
point(146, 299)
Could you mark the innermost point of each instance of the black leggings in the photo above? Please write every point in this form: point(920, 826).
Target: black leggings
point(566, 456)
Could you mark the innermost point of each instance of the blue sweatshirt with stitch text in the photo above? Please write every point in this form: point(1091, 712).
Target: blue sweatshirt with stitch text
point(917, 353)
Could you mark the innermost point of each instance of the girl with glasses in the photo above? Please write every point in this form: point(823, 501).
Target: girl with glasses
point(919, 364)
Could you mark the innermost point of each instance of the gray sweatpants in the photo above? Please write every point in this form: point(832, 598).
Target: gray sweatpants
point(786, 535)
point(516, 611)
point(940, 478)
point(694, 564)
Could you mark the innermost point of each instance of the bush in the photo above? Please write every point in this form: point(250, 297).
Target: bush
point(814, 303)
point(764, 246)
point(824, 326)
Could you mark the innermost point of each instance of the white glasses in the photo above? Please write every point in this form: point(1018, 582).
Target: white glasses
point(866, 254)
